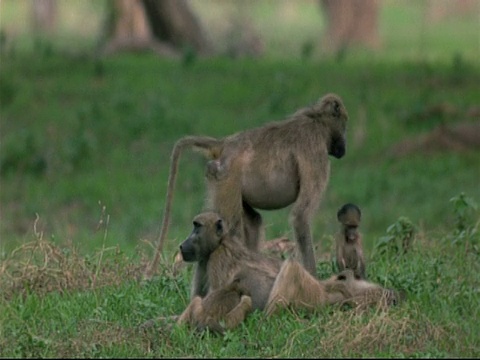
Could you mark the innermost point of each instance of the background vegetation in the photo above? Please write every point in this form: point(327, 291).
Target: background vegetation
point(84, 156)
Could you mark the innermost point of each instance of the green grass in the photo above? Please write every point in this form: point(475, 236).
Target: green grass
point(95, 306)
point(85, 144)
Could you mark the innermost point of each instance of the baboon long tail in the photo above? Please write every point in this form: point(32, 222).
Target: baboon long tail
point(211, 148)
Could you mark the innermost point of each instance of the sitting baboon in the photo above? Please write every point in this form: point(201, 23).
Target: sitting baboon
point(222, 258)
point(273, 166)
point(221, 309)
point(296, 288)
point(349, 250)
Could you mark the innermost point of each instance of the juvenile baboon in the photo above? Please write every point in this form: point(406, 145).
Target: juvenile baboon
point(222, 258)
point(363, 293)
point(295, 287)
point(349, 249)
point(275, 165)
point(221, 309)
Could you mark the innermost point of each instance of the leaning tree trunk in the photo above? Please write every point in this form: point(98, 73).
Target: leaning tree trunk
point(351, 23)
point(164, 26)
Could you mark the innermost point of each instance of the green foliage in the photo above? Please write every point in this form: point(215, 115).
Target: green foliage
point(399, 238)
point(466, 229)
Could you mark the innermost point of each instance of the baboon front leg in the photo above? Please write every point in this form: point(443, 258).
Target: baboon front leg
point(200, 281)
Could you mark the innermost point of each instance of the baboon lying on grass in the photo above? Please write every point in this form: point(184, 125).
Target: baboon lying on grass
point(296, 288)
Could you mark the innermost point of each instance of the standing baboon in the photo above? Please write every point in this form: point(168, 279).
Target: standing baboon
point(349, 249)
point(295, 287)
point(228, 305)
point(275, 165)
point(221, 258)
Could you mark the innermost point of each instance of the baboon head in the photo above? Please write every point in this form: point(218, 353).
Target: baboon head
point(349, 216)
point(208, 231)
point(332, 111)
point(363, 291)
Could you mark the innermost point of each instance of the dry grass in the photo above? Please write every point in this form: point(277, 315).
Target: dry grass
point(40, 267)
point(382, 332)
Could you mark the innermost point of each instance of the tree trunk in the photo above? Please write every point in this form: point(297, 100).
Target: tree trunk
point(438, 10)
point(164, 26)
point(351, 23)
point(173, 22)
point(44, 16)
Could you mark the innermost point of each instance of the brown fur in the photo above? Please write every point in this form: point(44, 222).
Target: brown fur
point(294, 287)
point(349, 250)
point(221, 309)
point(276, 165)
point(222, 258)
point(240, 280)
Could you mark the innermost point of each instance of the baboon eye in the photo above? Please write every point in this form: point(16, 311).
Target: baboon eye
point(219, 226)
point(342, 277)
point(196, 224)
point(336, 108)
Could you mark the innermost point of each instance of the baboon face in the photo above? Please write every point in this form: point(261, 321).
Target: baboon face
point(346, 275)
point(208, 231)
point(349, 215)
point(337, 147)
point(355, 284)
point(331, 106)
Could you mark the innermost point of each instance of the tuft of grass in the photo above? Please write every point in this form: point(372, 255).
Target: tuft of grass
point(41, 267)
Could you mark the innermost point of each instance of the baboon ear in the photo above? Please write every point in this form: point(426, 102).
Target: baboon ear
point(335, 108)
point(219, 227)
point(332, 105)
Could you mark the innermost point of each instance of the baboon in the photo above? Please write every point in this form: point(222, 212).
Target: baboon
point(363, 293)
point(221, 258)
point(275, 165)
point(349, 251)
point(228, 305)
point(240, 280)
point(295, 287)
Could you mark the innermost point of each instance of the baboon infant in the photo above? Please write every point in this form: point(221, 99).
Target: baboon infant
point(273, 166)
point(349, 251)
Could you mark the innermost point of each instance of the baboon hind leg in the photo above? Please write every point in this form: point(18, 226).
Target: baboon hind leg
point(191, 314)
point(252, 226)
point(239, 312)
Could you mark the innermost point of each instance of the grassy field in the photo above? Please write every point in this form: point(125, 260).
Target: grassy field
point(84, 157)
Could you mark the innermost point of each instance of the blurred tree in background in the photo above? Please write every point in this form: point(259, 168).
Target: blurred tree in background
point(235, 28)
point(164, 26)
point(44, 16)
point(351, 22)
